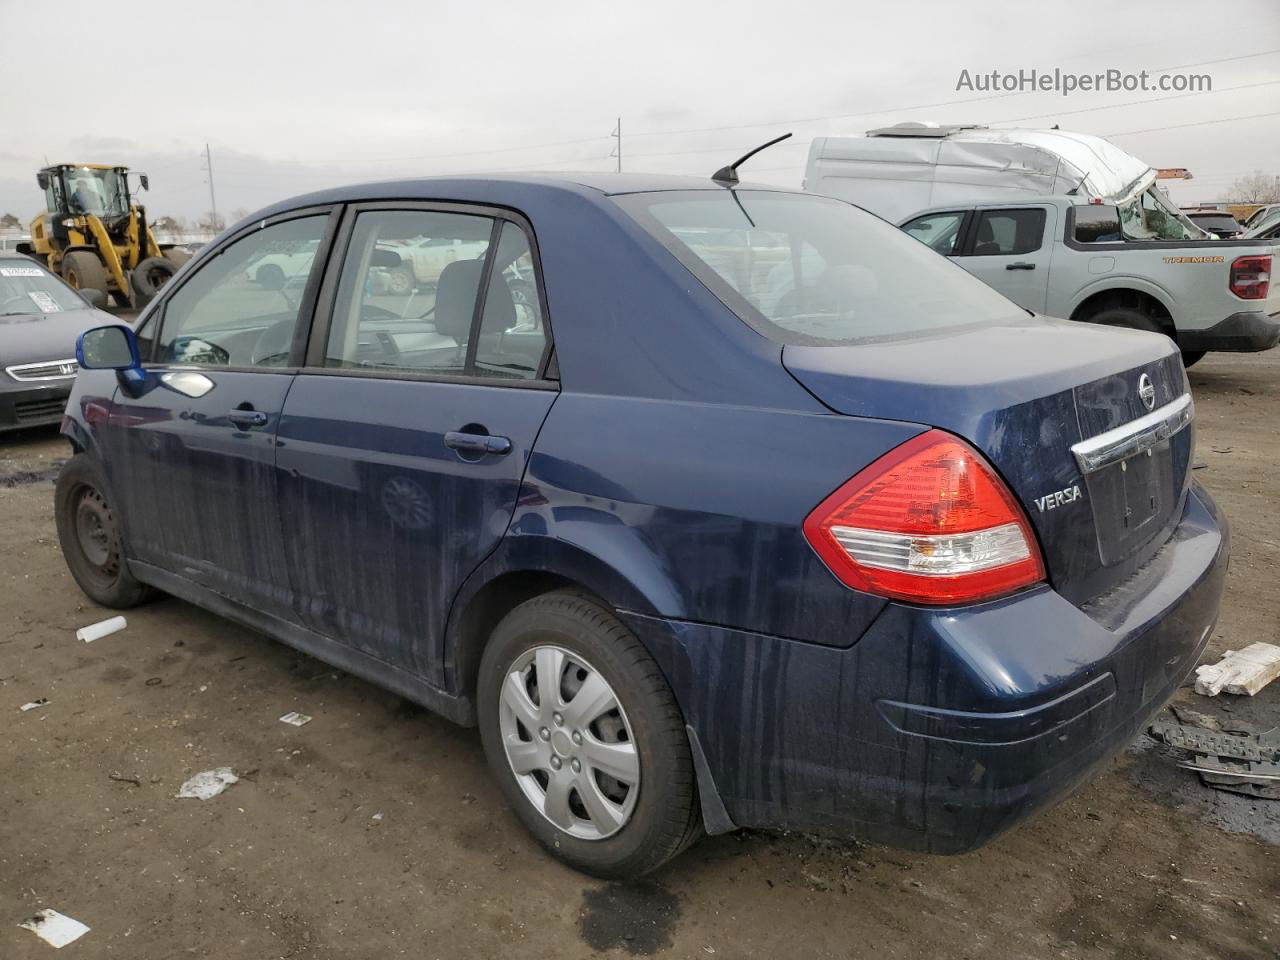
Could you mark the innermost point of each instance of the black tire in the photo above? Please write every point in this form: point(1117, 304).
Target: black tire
point(148, 277)
point(269, 275)
point(1126, 317)
point(84, 271)
point(89, 534)
point(666, 816)
point(1191, 357)
point(401, 280)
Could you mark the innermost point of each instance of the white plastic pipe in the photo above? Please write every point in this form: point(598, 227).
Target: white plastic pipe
point(96, 631)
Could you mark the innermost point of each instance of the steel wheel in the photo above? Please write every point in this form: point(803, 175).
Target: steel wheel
point(569, 743)
point(95, 532)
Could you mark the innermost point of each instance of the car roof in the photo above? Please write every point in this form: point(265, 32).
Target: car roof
point(466, 188)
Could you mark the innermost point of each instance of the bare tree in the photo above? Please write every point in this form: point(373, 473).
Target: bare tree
point(1257, 187)
point(9, 222)
point(167, 224)
point(238, 214)
point(211, 221)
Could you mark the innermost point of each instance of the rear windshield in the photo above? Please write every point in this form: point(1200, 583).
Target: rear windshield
point(811, 270)
point(27, 287)
point(1214, 221)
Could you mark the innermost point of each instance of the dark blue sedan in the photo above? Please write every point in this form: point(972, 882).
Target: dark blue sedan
point(713, 505)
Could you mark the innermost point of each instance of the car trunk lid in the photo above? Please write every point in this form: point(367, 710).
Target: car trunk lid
point(1026, 393)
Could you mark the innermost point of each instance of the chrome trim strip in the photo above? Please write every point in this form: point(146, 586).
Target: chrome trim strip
point(1124, 441)
point(17, 370)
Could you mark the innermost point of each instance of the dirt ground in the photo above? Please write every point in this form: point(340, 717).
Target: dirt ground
point(374, 831)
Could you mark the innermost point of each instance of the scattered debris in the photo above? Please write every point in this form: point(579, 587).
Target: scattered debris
point(1200, 465)
point(295, 719)
point(1195, 718)
point(1242, 763)
point(154, 681)
point(54, 928)
point(43, 701)
point(376, 816)
point(207, 784)
point(104, 628)
point(118, 778)
point(1240, 672)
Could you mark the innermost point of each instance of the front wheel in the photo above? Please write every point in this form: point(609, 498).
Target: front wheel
point(585, 738)
point(89, 534)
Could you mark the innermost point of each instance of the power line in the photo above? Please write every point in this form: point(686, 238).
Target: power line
point(1198, 123)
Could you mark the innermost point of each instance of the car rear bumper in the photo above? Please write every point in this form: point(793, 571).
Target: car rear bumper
point(940, 728)
point(1246, 332)
point(32, 406)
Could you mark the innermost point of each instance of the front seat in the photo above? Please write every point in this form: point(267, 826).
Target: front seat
point(986, 246)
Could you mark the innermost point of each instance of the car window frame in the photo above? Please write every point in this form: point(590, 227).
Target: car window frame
point(971, 241)
point(314, 355)
point(306, 305)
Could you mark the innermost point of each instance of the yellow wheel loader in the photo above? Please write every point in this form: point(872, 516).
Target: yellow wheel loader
point(96, 237)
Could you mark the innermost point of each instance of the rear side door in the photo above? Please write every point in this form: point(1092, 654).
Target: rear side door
point(193, 455)
point(1009, 248)
point(405, 437)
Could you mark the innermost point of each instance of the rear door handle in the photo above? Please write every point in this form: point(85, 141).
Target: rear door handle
point(248, 418)
point(477, 443)
point(1021, 265)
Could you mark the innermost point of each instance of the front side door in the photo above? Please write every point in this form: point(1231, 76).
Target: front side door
point(193, 458)
point(404, 440)
point(1010, 250)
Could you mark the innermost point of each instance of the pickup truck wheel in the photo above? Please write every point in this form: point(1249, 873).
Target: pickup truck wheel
point(585, 738)
point(1191, 357)
point(1126, 317)
point(89, 534)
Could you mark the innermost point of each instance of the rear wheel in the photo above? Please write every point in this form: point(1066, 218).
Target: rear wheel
point(269, 275)
point(89, 534)
point(1126, 317)
point(585, 738)
point(400, 281)
point(1191, 357)
point(84, 271)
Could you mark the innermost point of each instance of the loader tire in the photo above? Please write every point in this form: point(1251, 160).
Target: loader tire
point(84, 271)
point(148, 277)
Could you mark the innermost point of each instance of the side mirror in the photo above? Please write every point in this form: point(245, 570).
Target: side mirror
point(108, 348)
point(146, 183)
point(43, 180)
point(94, 298)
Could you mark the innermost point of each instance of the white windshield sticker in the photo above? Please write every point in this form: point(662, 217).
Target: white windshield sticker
point(20, 272)
point(45, 302)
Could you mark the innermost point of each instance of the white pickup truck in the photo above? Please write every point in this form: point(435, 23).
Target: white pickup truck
point(1062, 224)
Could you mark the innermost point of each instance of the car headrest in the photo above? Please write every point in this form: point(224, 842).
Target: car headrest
point(985, 233)
point(456, 297)
point(456, 300)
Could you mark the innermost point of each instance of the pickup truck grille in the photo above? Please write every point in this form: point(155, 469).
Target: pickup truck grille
point(46, 370)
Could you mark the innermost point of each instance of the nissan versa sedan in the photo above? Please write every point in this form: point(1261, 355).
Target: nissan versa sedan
point(756, 513)
point(40, 319)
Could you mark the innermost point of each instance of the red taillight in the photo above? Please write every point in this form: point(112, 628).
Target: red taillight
point(929, 522)
point(1251, 277)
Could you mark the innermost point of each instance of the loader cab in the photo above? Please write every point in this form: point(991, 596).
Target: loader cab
point(79, 189)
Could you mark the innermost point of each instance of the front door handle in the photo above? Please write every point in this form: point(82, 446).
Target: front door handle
point(477, 443)
point(1020, 265)
point(244, 419)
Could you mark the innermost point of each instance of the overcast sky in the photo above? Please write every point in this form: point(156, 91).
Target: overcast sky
point(293, 96)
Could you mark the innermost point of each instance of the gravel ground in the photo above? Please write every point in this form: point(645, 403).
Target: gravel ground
point(374, 831)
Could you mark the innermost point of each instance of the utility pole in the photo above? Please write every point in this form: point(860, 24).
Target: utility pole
point(617, 151)
point(213, 203)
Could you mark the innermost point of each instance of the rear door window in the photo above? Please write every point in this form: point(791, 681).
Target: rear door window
point(940, 231)
point(1096, 223)
point(1008, 232)
point(438, 293)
